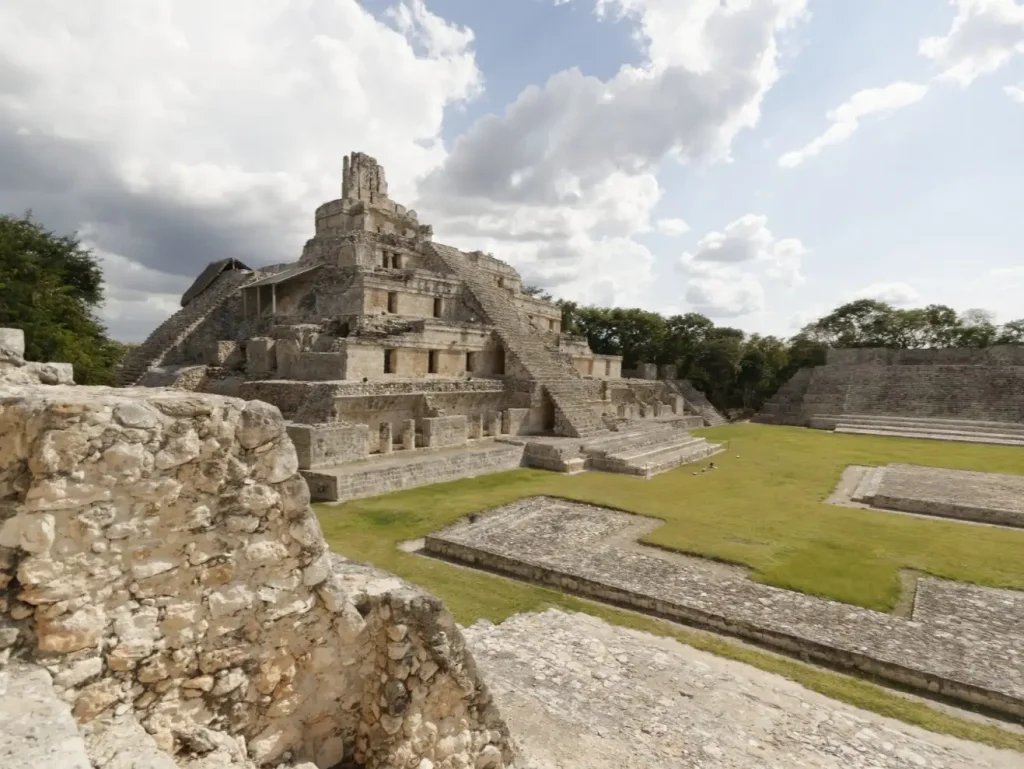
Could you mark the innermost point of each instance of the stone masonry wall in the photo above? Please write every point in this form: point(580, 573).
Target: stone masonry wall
point(159, 558)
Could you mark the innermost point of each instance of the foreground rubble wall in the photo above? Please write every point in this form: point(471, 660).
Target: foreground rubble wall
point(158, 556)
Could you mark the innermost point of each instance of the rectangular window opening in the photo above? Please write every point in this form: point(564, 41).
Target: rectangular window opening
point(438, 305)
point(393, 301)
point(389, 361)
point(432, 362)
point(470, 361)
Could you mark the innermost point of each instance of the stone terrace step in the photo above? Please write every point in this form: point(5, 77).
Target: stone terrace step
point(614, 442)
point(897, 432)
point(643, 453)
point(929, 423)
point(670, 459)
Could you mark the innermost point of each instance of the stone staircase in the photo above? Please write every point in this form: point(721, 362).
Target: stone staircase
point(962, 430)
point(698, 402)
point(646, 450)
point(574, 415)
point(178, 327)
point(786, 406)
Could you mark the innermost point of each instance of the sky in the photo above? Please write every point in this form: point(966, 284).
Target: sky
point(758, 161)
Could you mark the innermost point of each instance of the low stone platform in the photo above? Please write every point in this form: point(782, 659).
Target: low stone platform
point(974, 655)
point(642, 448)
point(394, 472)
point(990, 498)
point(583, 694)
point(959, 430)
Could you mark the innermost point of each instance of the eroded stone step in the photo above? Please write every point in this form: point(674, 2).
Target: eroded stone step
point(958, 437)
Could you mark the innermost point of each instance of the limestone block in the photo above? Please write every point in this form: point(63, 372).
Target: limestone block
point(223, 353)
point(12, 345)
point(494, 424)
point(444, 431)
point(512, 420)
point(288, 352)
point(409, 434)
point(386, 441)
point(38, 730)
point(329, 444)
point(260, 355)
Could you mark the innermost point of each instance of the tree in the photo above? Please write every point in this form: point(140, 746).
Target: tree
point(538, 292)
point(52, 287)
point(1011, 333)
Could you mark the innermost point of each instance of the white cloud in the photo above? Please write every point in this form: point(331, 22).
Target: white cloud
point(673, 227)
point(553, 181)
point(213, 129)
point(748, 241)
point(725, 271)
point(725, 295)
point(1008, 273)
point(845, 119)
point(896, 293)
point(1015, 92)
point(984, 36)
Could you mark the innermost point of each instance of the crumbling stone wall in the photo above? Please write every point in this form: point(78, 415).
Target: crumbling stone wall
point(159, 558)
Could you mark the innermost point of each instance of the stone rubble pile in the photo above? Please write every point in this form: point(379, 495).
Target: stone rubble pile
point(160, 564)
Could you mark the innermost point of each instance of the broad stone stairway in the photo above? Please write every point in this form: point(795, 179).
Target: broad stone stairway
point(962, 430)
point(172, 331)
point(574, 416)
point(647, 449)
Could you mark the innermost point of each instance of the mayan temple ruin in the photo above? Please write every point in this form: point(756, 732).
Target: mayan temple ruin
point(396, 359)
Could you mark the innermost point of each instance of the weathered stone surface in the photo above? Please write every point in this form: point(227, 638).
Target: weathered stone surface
point(160, 556)
point(592, 550)
point(36, 728)
point(582, 694)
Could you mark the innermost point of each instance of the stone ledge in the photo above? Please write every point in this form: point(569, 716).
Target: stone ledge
point(563, 544)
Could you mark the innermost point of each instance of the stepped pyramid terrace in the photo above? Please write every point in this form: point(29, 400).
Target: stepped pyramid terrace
point(400, 361)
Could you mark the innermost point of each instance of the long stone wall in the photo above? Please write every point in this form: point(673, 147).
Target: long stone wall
point(158, 557)
point(986, 385)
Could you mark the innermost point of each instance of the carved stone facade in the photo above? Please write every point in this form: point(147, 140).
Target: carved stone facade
point(377, 332)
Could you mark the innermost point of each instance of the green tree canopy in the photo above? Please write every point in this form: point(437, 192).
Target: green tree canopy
point(51, 287)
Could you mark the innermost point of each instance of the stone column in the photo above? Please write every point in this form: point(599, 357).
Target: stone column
point(506, 422)
point(476, 426)
point(494, 423)
point(678, 405)
point(13, 340)
point(409, 434)
point(656, 409)
point(606, 391)
point(385, 438)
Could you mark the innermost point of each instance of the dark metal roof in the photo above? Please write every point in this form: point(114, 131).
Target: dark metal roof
point(209, 275)
point(281, 277)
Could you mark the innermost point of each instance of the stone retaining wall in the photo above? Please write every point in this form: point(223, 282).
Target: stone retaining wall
point(419, 470)
point(159, 558)
point(971, 391)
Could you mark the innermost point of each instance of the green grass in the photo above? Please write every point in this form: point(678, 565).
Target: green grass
point(763, 509)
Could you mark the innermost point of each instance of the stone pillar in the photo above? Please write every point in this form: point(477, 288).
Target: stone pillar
point(13, 340)
point(494, 423)
point(385, 438)
point(409, 434)
point(606, 391)
point(678, 405)
point(656, 409)
point(476, 426)
point(506, 422)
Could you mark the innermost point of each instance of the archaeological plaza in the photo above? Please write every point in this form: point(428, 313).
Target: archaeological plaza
point(374, 507)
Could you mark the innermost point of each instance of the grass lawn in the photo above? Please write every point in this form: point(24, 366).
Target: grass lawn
point(763, 509)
